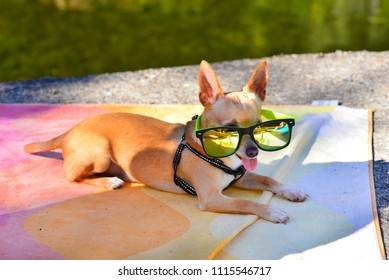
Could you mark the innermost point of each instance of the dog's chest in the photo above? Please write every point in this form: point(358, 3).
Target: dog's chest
point(233, 161)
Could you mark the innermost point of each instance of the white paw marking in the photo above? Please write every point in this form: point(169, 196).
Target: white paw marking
point(115, 183)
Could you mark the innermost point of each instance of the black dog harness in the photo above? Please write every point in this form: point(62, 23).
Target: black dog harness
point(237, 173)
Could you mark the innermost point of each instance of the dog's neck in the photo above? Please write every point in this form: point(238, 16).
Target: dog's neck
point(191, 138)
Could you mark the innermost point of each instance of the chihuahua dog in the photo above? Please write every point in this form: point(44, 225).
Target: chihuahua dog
point(107, 150)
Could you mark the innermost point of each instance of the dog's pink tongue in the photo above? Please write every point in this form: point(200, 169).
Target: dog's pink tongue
point(250, 163)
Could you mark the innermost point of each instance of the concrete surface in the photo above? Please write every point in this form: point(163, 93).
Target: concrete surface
point(357, 79)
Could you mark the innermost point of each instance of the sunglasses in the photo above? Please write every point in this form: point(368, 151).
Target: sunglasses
point(271, 135)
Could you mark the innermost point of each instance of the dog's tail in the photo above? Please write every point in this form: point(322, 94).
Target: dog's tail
point(52, 144)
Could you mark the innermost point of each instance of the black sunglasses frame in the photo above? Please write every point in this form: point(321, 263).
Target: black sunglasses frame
point(246, 131)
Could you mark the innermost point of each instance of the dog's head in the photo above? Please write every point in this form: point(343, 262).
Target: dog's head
point(238, 108)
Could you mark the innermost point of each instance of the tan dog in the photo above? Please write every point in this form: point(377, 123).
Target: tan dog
point(106, 150)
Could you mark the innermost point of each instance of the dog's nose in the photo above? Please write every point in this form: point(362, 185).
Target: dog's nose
point(252, 152)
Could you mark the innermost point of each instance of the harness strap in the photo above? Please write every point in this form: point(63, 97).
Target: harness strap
point(237, 173)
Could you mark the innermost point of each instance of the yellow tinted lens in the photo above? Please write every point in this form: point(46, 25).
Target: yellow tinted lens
point(272, 136)
point(220, 142)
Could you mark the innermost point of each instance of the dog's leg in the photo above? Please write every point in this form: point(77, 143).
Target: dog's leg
point(252, 181)
point(84, 170)
point(217, 202)
point(103, 182)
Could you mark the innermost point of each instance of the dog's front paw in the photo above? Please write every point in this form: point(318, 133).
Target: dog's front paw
point(292, 195)
point(276, 215)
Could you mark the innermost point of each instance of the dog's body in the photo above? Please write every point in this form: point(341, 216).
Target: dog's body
point(107, 150)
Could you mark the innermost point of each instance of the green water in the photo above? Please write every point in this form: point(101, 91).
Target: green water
point(64, 38)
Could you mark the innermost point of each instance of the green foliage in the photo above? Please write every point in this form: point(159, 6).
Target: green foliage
point(80, 37)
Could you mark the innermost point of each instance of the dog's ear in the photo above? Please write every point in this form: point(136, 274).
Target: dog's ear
point(210, 89)
point(258, 81)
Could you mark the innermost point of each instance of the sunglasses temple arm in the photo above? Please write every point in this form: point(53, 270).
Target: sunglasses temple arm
point(272, 115)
